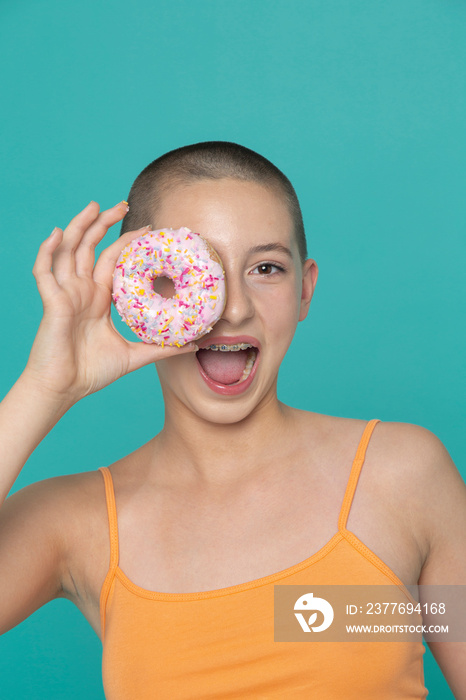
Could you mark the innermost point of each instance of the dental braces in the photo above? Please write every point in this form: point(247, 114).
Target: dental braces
point(230, 348)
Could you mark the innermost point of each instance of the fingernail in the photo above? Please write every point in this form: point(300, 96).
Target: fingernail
point(144, 228)
point(53, 232)
point(192, 346)
point(125, 203)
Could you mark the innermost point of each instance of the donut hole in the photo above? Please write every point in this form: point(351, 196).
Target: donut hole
point(164, 286)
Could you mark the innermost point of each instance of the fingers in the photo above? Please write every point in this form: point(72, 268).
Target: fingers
point(63, 260)
point(85, 254)
point(71, 252)
point(42, 270)
point(75, 255)
point(105, 265)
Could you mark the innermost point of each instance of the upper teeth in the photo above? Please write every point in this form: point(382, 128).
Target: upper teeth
point(229, 348)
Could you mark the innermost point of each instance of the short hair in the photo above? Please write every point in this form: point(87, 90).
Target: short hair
point(209, 160)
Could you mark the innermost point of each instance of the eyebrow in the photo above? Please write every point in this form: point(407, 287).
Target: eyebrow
point(269, 247)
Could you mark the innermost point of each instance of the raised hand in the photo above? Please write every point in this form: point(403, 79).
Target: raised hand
point(77, 350)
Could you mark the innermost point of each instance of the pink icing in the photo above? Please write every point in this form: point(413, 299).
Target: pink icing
point(199, 282)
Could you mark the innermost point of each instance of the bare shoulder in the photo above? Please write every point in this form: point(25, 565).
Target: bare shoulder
point(432, 495)
point(441, 498)
point(50, 503)
point(432, 499)
point(64, 510)
point(410, 501)
point(41, 531)
point(425, 490)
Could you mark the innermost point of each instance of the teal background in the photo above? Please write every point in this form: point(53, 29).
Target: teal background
point(362, 104)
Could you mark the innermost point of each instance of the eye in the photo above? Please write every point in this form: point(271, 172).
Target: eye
point(267, 269)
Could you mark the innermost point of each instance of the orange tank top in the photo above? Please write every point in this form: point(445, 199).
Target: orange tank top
point(219, 644)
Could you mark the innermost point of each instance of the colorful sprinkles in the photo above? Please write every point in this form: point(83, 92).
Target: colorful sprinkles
point(199, 280)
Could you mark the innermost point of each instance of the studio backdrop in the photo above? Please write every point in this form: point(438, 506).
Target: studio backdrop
point(363, 106)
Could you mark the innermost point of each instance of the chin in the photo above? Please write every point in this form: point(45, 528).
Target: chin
point(226, 411)
point(225, 415)
point(184, 394)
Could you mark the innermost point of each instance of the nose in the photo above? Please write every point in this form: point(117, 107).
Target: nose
point(239, 306)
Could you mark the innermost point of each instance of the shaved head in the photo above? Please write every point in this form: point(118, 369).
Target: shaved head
point(209, 160)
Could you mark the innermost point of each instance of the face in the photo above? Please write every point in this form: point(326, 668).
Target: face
point(268, 292)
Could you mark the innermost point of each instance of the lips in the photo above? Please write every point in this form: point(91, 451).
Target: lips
point(222, 371)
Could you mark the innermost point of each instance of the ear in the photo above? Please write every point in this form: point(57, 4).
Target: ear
point(309, 281)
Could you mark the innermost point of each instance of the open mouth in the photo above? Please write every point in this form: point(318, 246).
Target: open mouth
point(228, 364)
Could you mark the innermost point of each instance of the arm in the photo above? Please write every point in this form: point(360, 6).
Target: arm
point(76, 352)
point(444, 506)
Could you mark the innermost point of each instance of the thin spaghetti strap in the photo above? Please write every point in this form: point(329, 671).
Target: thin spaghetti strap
point(354, 474)
point(113, 528)
point(112, 515)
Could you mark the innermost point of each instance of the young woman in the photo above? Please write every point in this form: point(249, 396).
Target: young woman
point(237, 492)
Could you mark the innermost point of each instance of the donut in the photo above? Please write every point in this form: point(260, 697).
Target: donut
point(198, 277)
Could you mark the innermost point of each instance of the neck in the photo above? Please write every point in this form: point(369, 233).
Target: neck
point(221, 457)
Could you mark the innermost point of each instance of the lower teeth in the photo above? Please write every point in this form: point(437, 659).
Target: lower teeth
point(249, 365)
